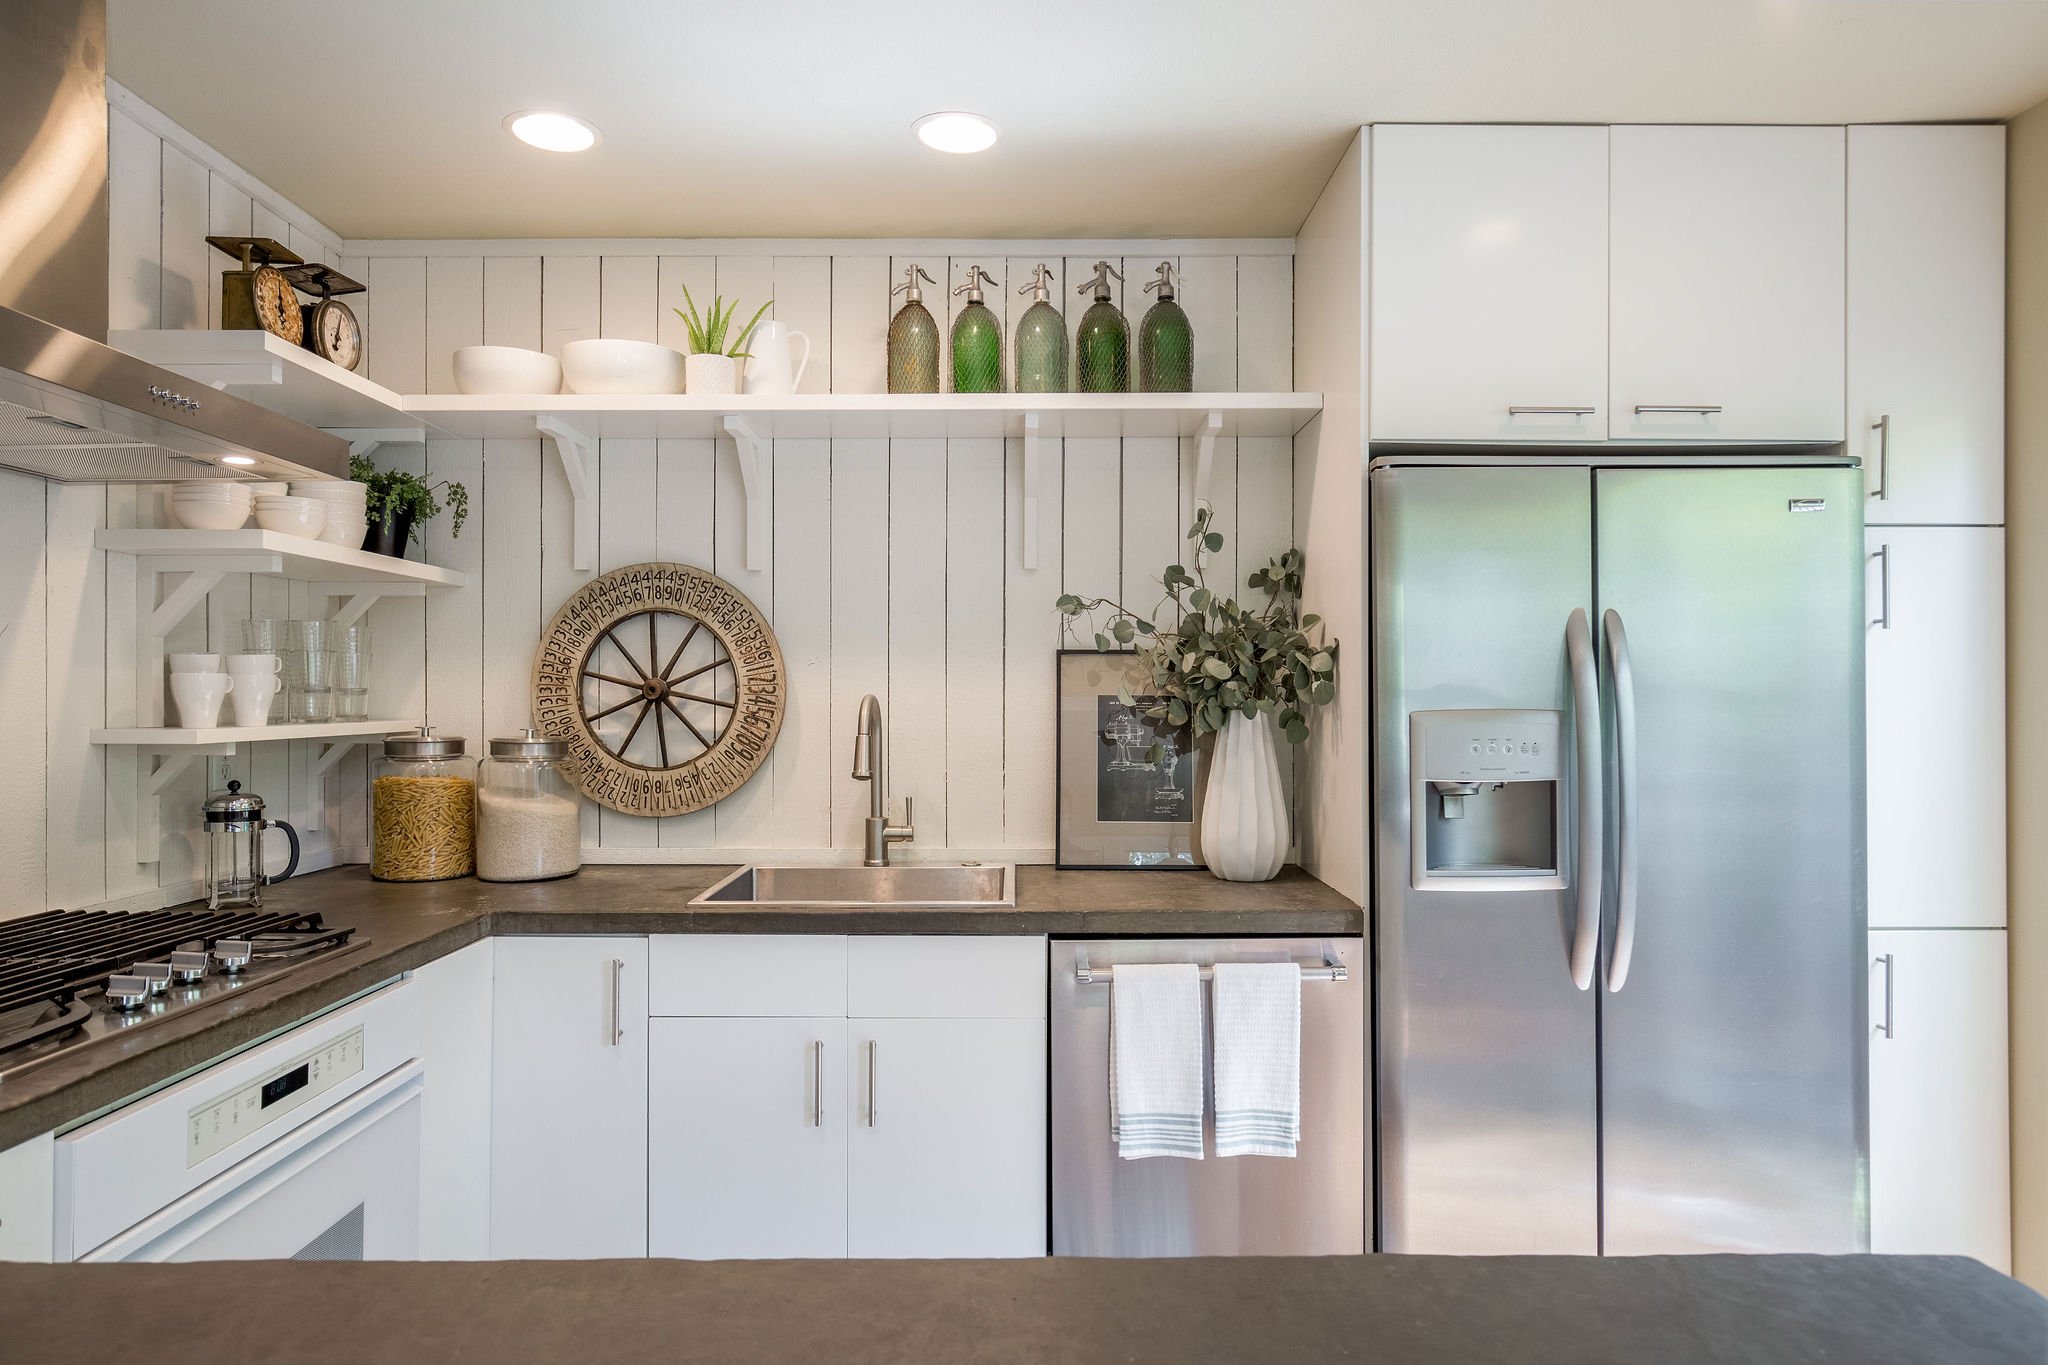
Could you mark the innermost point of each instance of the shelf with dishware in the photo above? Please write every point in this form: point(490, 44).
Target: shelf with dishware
point(277, 553)
point(222, 739)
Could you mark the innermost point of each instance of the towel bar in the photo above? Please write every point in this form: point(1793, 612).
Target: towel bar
point(1330, 970)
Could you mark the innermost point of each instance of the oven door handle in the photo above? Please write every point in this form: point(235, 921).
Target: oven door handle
point(162, 1235)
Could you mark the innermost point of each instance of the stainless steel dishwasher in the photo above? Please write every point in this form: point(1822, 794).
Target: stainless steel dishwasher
point(1311, 1204)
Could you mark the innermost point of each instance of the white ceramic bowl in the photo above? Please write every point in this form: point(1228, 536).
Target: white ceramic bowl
point(198, 511)
point(294, 516)
point(506, 369)
point(607, 366)
point(236, 493)
point(345, 491)
point(272, 489)
point(345, 531)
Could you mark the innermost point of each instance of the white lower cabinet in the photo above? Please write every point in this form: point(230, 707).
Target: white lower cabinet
point(1940, 1174)
point(455, 1109)
point(569, 1098)
point(28, 1200)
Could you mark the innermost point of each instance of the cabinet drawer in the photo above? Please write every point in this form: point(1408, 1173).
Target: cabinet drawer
point(932, 977)
point(756, 976)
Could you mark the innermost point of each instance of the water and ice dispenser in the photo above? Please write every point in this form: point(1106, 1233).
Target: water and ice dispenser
point(1487, 807)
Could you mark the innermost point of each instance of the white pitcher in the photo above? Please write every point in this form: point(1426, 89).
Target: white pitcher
point(768, 366)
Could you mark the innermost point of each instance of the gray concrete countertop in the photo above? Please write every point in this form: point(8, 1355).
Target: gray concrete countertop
point(1417, 1310)
point(402, 926)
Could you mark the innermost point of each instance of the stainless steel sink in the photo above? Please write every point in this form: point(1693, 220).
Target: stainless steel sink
point(952, 886)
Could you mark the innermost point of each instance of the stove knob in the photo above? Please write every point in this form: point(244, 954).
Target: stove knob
point(126, 993)
point(233, 954)
point(188, 967)
point(157, 974)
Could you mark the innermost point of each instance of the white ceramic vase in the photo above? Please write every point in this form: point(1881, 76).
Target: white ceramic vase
point(1245, 825)
point(711, 375)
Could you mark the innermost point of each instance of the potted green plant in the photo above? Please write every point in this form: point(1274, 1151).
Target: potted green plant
point(712, 366)
point(1236, 671)
point(399, 502)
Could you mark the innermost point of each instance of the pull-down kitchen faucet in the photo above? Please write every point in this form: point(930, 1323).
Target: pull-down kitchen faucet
point(870, 764)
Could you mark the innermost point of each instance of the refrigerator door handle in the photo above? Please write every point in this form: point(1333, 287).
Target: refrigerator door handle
point(1591, 814)
point(1626, 798)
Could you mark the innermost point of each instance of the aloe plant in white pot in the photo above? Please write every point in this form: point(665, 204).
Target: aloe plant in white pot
point(712, 366)
point(1242, 673)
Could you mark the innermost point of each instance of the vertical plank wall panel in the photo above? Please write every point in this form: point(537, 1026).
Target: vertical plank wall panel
point(228, 211)
point(454, 621)
point(746, 819)
point(454, 316)
point(512, 301)
point(23, 692)
point(188, 273)
point(745, 282)
point(860, 610)
point(568, 312)
point(399, 361)
point(801, 761)
point(627, 535)
point(513, 614)
point(685, 493)
point(975, 695)
point(916, 698)
point(75, 687)
point(803, 299)
point(626, 296)
point(859, 344)
point(674, 275)
point(1031, 636)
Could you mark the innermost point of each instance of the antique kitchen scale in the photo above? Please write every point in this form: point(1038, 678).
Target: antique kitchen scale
point(262, 293)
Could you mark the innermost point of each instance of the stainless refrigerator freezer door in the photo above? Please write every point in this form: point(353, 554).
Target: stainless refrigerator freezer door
point(1314, 1204)
point(1732, 1063)
point(1487, 1055)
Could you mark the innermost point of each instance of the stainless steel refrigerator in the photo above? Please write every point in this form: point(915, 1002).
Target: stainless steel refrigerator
point(1619, 919)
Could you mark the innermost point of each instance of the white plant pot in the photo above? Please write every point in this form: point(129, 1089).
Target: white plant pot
point(1245, 825)
point(711, 375)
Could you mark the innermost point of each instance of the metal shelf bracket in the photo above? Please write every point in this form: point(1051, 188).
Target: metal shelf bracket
point(577, 450)
point(753, 455)
point(1031, 475)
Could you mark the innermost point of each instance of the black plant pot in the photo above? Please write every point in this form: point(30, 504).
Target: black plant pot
point(389, 535)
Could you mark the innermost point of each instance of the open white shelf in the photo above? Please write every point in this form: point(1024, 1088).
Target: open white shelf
point(174, 737)
point(251, 550)
point(285, 378)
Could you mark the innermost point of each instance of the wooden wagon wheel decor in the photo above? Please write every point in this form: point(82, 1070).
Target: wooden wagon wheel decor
point(668, 685)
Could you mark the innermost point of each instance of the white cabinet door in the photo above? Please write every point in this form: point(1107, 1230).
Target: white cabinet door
point(1726, 284)
point(569, 1098)
point(1927, 321)
point(28, 1200)
point(948, 1144)
point(747, 1122)
point(1935, 688)
point(455, 1109)
point(1489, 283)
point(1940, 1180)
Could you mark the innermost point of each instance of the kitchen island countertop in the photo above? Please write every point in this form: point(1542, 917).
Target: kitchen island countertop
point(1416, 1310)
point(401, 926)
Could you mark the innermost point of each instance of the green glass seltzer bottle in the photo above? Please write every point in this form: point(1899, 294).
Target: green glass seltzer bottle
point(1166, 340)
point(1041, 338)
point(1102, 340)
point(977, 339)
point(913, 339)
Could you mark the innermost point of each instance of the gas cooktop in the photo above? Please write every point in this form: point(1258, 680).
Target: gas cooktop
point(73, 978)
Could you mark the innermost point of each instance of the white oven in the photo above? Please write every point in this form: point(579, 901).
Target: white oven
point(305, 1147)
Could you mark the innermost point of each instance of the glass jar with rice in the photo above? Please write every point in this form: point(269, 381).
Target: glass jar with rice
point(422, 809)
point(529, 825)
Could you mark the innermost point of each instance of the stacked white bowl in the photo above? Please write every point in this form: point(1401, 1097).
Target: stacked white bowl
point(348, 520)
point(211, 505)
point(294, 516)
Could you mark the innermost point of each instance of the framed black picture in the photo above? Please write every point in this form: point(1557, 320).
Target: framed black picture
point(1120, 804)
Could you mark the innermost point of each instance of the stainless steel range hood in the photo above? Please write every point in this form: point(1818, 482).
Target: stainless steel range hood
point(71, 408)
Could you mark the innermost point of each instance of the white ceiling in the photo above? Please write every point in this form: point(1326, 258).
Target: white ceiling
point(791, 118)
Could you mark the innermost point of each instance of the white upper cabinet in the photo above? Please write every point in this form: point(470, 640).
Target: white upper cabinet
point(1934, 671)
point(1727, 284)
point(1489, 283)
point(1927, 321)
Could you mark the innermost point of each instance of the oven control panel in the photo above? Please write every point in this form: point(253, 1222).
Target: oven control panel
point(227, 1119)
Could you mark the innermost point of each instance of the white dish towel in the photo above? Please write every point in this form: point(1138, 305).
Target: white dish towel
point(1155, 1060)
point(1258, 1058)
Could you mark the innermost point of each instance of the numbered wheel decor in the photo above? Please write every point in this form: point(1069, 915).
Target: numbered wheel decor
point(668, 685)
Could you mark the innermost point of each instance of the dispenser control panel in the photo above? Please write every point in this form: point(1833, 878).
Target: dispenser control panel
point(1488, 806)
point(1488, 746)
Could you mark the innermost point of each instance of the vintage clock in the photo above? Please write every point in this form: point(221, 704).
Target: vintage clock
point(257, 294)
point(331, 329)
point(668, 685)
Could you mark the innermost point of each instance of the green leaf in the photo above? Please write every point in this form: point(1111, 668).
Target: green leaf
point(1123, 632)
point(1213, 541)
point(748, 330)
point(1101, 642)
point(1323, 694)
point(1176, 712)
point(1123, 694)
point(1216, 668)
point(1155, 753)
point(1199, 599)
point(1322, 662)
point(1296, 733)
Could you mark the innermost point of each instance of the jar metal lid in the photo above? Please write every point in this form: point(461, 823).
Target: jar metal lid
point(529, 743)
point(423, 743)
point(233, 806)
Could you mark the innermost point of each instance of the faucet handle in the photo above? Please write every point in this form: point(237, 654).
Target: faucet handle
point(906, 831)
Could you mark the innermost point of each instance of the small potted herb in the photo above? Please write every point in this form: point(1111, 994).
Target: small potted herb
point(712, 367)
point(399, 502)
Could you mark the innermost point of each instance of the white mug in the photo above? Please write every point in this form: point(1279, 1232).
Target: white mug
point(768, 366)
point(195, 663)
point(238, 664)
point(199, 696)
point(252, 694)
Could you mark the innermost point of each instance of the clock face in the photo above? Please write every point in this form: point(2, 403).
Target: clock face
point(277, 304)
point(334, 334)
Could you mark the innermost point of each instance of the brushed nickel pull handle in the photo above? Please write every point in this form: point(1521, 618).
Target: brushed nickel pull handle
point(1886, 1027)
point(818, 1084)
point(1883, 619)
point(1699, 409)
point(618, 979)
point(1883, 427)
point(1538, 410)
point(874, 1048)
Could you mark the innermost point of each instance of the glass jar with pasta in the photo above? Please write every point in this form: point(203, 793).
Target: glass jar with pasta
point(422, 809)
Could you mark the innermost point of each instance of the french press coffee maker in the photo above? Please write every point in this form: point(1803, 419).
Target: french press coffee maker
point(234, 848)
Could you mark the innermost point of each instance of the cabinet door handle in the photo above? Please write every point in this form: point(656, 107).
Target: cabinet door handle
point(618, 980)
point(1568, 410)
point(1885, 961)
point(1883, 427)
point(1699, 409)
point(874, 1050)
point(1883, 619)
point(818, 1084)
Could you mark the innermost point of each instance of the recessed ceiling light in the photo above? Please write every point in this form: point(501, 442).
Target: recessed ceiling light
point(954, 131)
point(551, 132)
point(238, 459)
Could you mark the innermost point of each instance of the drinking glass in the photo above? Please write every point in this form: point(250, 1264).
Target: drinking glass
point(309, 660)
point(352, 672)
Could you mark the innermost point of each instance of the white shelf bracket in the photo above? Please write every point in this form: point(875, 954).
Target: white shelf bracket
point(1205, 454)
point(752, 451)
point(312, 806)
point(153, 781)
point(360, 597)
point(1030, 490)
point(186, 598)
point(577, 450)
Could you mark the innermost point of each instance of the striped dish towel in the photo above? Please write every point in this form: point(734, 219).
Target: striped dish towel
point(1258, 1058)
point(1155, 1060)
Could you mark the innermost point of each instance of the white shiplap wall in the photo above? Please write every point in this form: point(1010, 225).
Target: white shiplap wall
point(895, 565)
